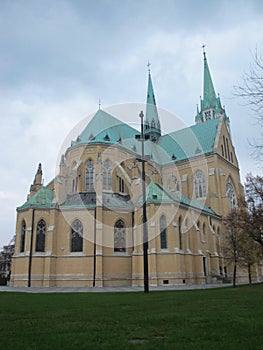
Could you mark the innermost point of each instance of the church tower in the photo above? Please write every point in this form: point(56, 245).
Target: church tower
point(211, 107)
point(152, 125)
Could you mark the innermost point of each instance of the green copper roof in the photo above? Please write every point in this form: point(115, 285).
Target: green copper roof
point(190, 142)
point(152, 122)
point(105, 128)
point(209, 95)
point(42, 199)
point(155, 193)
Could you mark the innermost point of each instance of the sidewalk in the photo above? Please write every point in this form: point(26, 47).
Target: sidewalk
point(108, 289)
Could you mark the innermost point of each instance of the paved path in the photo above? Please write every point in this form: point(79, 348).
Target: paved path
point(107, 289)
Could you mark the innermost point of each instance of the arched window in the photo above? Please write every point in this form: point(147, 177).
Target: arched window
point(180, 233)
point(163, 235)
point(231, 194)
point(22, 237)
point(76, 239)
point(199, 184)
point(119, 236)
point(89, 175)
point(107, 175)
point(41, 236)
point(222, 150)
point(227, 147)
point(224, 140)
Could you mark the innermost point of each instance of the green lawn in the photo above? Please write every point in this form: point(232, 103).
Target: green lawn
point(224, 318)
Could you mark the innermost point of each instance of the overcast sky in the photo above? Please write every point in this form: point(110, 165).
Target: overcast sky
point(58, 58)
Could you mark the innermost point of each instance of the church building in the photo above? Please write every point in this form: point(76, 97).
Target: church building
point(85, 228)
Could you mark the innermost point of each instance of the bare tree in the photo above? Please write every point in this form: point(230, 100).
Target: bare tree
point(240, 247)
point(254, 200)
point(251, 90)
point(233, 241)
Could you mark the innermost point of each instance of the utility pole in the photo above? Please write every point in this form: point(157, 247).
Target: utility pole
point(142, 137)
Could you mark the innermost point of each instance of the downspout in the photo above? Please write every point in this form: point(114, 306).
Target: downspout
point(31, 249)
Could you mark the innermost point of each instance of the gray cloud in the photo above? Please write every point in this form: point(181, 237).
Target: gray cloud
point(57, 58)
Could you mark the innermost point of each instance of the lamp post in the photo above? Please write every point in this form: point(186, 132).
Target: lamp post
point(141, 137)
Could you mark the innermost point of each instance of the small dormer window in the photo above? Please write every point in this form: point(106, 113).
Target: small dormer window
point(106, 137)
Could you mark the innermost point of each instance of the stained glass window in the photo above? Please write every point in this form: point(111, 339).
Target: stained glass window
point(119, 237)
point(89, 175)
point(41, 236)
point(76, 236)
point(231, 194)
point(107, 175)
point(200, 184)
point(22, 237)
point(163, 235)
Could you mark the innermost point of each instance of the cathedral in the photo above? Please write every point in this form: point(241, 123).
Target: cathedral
point(85, 228)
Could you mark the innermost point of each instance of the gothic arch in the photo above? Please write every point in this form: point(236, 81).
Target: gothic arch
point(89, 175)
point(107, 175)
point(200, 187)
point(76, 236)
point(163, 232)
point(22, 236)
point(120, 236)
point(41, 236)
point(231, 194)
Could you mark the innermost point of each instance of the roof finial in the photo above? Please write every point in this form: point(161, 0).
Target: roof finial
point(149, 65)
point(203, 47)
point(99, 103)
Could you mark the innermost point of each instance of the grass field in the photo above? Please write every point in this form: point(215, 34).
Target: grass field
point(224, 318)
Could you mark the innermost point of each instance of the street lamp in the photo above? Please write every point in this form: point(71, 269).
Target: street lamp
point(142, 137)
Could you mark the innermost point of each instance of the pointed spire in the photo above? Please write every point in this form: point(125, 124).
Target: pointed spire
point(211, 106)
point(209, 95)
point(152, 123)
point(37, 184)
point(198, 117)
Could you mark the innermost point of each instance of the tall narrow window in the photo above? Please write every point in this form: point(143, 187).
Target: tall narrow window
point(41, 236)
point(107, 175)
point(224, 140)
point(89, 175)
point(76, 239)
point(22, 237)
point(222, 150)
point(163, 235)
point(180, 233)
point(199, 184)
point(121, 185)
point(119, 237)
point(231, 194)
point(227, 147)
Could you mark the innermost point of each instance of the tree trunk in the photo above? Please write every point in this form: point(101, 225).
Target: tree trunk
point(249, 273)
point(234, 274)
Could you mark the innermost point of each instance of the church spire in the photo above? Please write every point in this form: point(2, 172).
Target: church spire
point(152, 124)
point(37, 184)
point(211, 107)
point(209, 95)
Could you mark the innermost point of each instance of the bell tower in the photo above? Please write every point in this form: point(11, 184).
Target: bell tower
point(211, 107)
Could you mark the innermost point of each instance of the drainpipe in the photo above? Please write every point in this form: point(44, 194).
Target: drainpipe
point(31, 249)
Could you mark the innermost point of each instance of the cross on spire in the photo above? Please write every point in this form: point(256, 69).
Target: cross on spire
point(149, 65)
point(203, 47)
point(99, 103)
